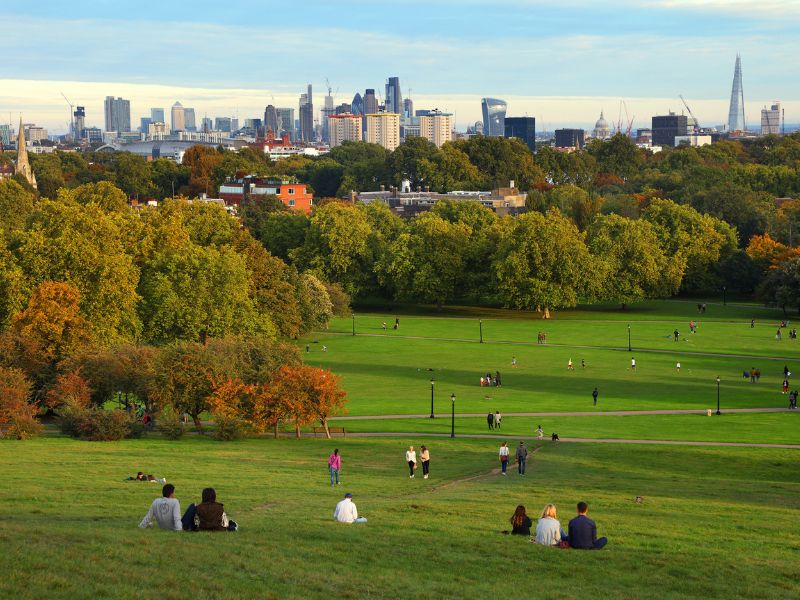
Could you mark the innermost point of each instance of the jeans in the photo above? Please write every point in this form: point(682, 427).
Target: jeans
point(411, 465)
point(334, 475)
point(188, 518)
point(504, 465)
point(425, 466)
point(521, 465)
point(600, 543)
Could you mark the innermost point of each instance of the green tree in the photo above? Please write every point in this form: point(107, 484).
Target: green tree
point(618, 156)
point(49, 176)
point(781, 287)
point(132, 175)
point(16, 204)
point(168, 177)
point(103, 194)
point(282, 231)
point(500, 160)
point(404, 161)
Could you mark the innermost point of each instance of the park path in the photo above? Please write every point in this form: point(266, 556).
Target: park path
point(608, 413)
point(492, 436)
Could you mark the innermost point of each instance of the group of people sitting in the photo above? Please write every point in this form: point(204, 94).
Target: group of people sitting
point(209, 515)
point(581, 534)
point(490, 381)
point(142, 477)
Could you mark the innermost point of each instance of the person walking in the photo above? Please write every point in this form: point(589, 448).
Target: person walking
point(633, 364)
point(425, 457)
point(522, 456)
point(503, 457)
point(497, 417)
point(569, 365)
point(490, 420)
point(676, 334)
point(513, 362)
point(497, 379)
point(594, 397)
point(539, 433)
point(411, 459)
point(678, 366)
point(752, 323)
point(334, 466)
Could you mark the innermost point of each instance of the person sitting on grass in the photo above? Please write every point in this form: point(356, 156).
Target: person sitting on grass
point(583, 531)
point(166, 511)
point(210, 514)
point(346, 511)
point(521, 522)
point(548, 529)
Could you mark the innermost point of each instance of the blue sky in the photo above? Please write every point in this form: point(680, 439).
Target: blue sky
point(560, 61)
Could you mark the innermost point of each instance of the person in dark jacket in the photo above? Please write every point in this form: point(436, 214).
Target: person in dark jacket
point(209, 514)
point(583, 531)
point(521, 522)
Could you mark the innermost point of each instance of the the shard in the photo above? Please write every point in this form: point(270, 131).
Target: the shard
point(736, 112)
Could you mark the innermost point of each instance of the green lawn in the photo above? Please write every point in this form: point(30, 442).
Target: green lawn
point(715, 523)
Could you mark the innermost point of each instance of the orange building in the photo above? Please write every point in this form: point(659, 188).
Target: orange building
point(288, 190)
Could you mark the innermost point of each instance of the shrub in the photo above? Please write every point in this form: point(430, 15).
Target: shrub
point(170, 425)
point(228, 428)
point(97, 424)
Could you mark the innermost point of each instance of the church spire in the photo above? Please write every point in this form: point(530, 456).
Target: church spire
point(23, 166)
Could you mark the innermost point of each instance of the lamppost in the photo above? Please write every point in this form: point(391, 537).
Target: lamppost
point(724, 299)
point(354, 323)
point(452, 415)
point(718, 395)
point(432, 382)
point(480, 324)
point(629, 337)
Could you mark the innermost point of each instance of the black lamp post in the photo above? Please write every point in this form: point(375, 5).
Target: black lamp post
point(480, 324)
point(354, 323)
point(432, 382)
point(452, 415)
point(724, 298)
point(629, 337)
point(718, 395)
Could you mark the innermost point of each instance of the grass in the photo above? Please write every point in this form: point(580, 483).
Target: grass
point(716, 523)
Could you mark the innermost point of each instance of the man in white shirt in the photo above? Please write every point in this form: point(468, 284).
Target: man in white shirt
point(346, 511)
point(166, 511)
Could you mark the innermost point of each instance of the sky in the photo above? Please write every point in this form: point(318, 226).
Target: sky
point(559, 61)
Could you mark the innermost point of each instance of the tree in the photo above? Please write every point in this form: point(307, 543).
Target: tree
point(168, 177)
point(404, 161)
point(313, 394)
point(49, 176)
point(201, 161)
point(15, 392)
point(132, 174)
point(282, 231)
point(16, 204)
point(70, 389)
point(13, 286)
point(618, 156)
point(315, 304)
point(103, 194)
point(781, 287)
point(499, 160)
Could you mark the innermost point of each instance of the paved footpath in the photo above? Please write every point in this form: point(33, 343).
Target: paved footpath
point(608, 413)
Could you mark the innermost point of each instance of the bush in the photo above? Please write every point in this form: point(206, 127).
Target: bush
point(228, 428)
point(23, 425)
point(97, 424)
point(170, 425)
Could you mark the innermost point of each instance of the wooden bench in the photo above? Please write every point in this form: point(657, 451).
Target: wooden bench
point(332, 430)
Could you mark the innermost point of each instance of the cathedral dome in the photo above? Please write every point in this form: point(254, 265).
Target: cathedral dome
point(601, 122)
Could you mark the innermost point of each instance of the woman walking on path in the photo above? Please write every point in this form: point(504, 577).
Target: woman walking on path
point(411, 459)
point(334, 465)
point(425, 457)
point(504, 457)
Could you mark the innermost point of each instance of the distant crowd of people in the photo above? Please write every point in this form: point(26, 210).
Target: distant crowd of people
point(489, 381)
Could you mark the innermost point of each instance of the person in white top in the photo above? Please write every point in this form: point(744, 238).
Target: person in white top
point(346, 511)
point(548, 529)
point(411, 459)
point(166, 511)
point(633, 363)
point(504, 457)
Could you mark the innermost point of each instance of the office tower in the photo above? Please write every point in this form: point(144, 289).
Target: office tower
point(285, 122)
point(234, 124)
point(157, 115)
point(383, 129)
point(118, 114)
point(5, 135)
point(307, 116)
point(408, 108)
point(569, 138)
point(436, 127)
point(494, 114)
point(189, 119)
point(79, 122)
point(667, 127)
point(522, 128)
point(222, 124)
point(271, 120)
point(344, 108)
point(144, 124)
point(601, 130)
point(736, 120)
point(178, 117)
point(343, 128)
point(394, 97)
point(327, 111)
point(771, 119)
point(370, 102)
point(23, 167)
point(206, 125)
point(357, 105)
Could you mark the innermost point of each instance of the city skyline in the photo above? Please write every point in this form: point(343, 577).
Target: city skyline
point(559, 62)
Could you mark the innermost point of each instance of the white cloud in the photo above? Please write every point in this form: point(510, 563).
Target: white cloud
point(765, 9)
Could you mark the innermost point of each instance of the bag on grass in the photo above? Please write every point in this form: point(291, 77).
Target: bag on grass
point(563, 544)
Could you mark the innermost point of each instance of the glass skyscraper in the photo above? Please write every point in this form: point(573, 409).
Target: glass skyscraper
point(494, 116)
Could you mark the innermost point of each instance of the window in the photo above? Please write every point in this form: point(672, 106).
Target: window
point(291, 202)
point(311, 202)
point(291, 191)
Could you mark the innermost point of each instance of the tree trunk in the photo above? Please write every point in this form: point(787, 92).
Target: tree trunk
point(275, 430)
point(297, 429)
point(546, 314)
point(325, 425)
point(623, 306)
point(197, 424)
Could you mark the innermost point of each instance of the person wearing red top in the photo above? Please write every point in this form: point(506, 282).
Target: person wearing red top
point(334, 465)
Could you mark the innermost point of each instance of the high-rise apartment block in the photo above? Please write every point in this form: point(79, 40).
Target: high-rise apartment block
point(436, 127)
point(667, 127)
point(494, 115)
point(522, 128)
point(117, 114)
point(5, 135)
point(383, 129)
point(344, 128)
point(771, 119)
point(178, 117)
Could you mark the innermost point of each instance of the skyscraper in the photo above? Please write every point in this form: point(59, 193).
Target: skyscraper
point(370, 102)
point(206, 124)
point(736, 120)
point(771, 119)
point(178, 118)
point(394, 97)
point(23, 167)
point(144, 124)
point(285, 122)
point(494, 115)
point(271, 120)
point(157, 115)
point(222, 124)
point(307, 116)
point(327, 110)
point(357, 105)
point(118, 114)
point(80, 122)
point(667, 127)
point(189, 119)
point(408, 108)
point(522, 128)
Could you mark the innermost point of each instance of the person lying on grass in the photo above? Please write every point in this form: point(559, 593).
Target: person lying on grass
point(166, 511)
point(142, 477)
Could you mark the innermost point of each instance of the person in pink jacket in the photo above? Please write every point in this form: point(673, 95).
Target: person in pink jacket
point(334, 465)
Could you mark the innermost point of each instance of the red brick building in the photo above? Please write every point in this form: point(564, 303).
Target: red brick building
point(292, 194)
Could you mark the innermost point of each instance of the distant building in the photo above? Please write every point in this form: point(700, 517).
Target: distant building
point(666, 128)
point(178, 117)
point(408, 108)
point(736, 120)
point(23, 167)
point(285, 122)
point(644, 135)
point(6, 135)
point(307, 116)
point(601, 130)
point(293, 194)
point(117, 114)
point(494, 115)
point(383, 129)
point(206, 125)
point(394, 97)
point(771, 119)
point(156, 130)
point(569, 139)
point(271, 120)
point(343, 128)
point(436, 127)
point(189, 119)
point(357, 105)
point(370, 102)
point(144, 124)
point(695, 140)
point(79, 122)
point(93, 135)
point(522, 128)
point(222, 124)
point(157, 115)
point(34, 133)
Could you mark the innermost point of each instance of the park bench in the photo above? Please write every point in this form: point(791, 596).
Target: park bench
point(332, 430)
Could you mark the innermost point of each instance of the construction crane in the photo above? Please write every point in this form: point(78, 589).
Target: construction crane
point(71, 117)
point(628, 119)
point(691, 114)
